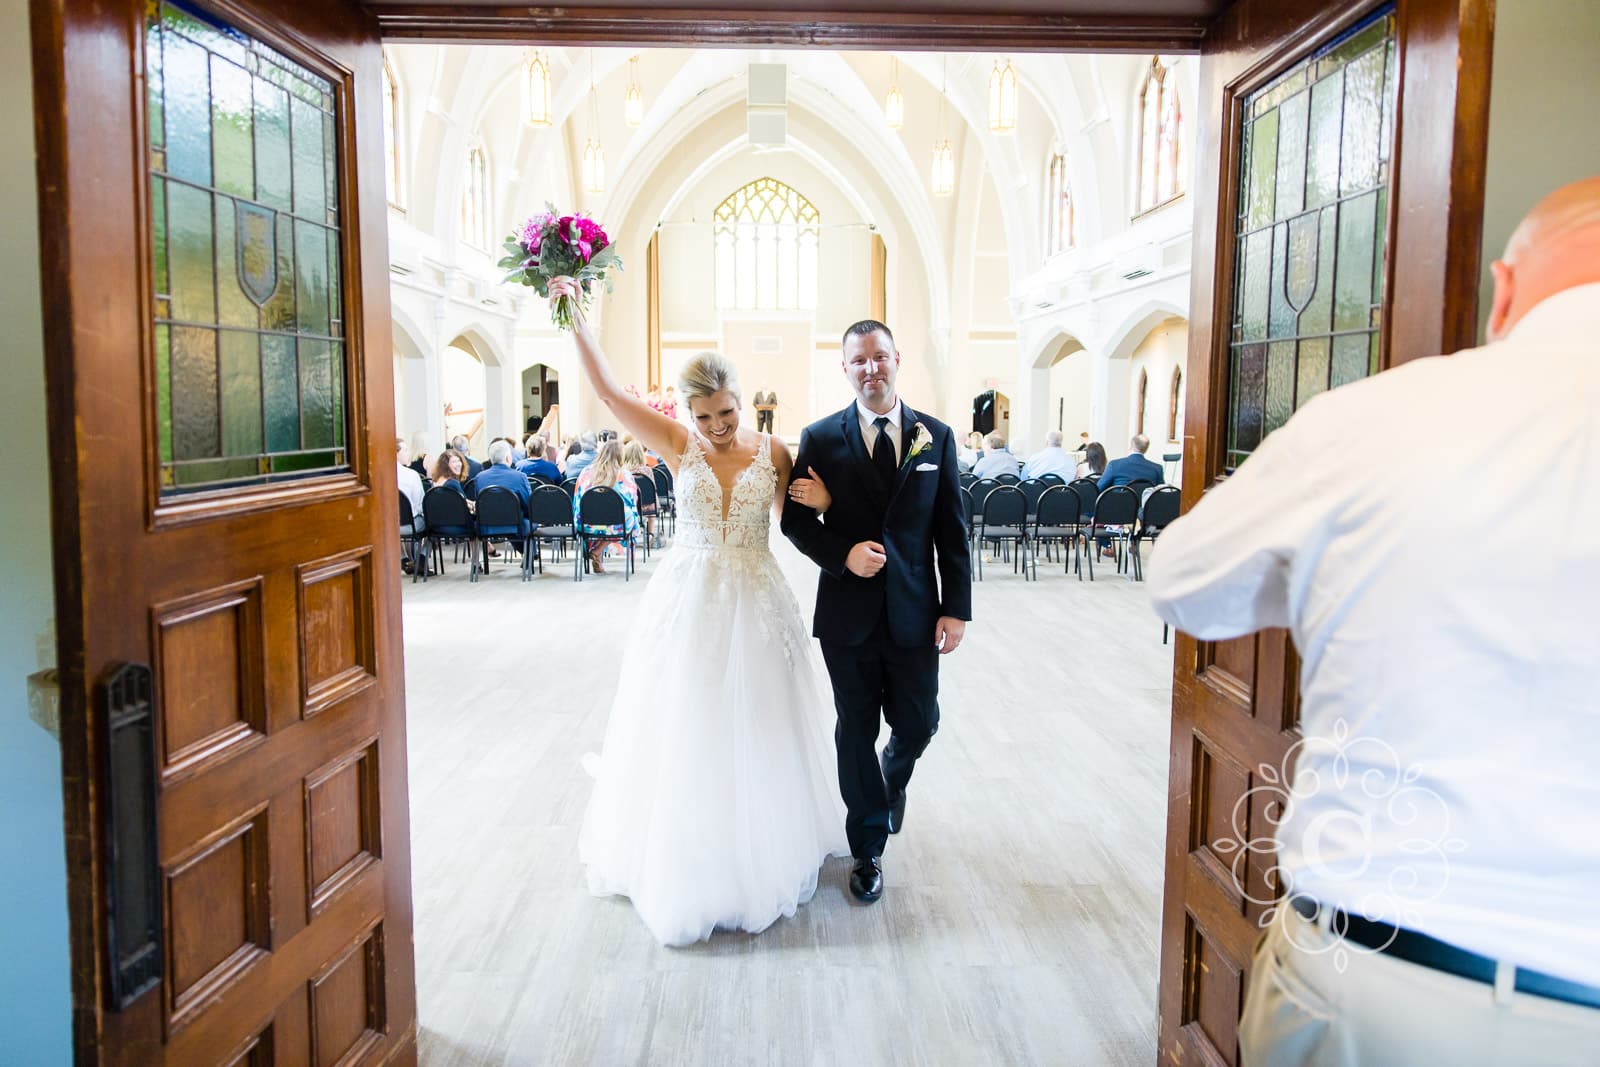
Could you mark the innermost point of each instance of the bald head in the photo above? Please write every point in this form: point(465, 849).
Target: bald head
point(1554, 248)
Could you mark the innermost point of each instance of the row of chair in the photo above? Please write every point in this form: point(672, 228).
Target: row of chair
point(548, 517)
point(1036, 514)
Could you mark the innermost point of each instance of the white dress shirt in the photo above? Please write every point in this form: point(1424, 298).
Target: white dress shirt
point(869, 432)
point(995, 462)
point(1442, 591)
point(1052, 460)
point(410, 487)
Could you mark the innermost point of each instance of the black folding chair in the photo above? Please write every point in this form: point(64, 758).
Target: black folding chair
point(501, 518)
point(666, 499)
point(449, 522)
point(649, 507)
point(1115, 512)
point(1008, 479)
point(550, 508)
point(980, 491)
point(1087, 492)
point(1140, 486)
point(410, 542)
point(966, 510)
point(571, 487)
point(966, 478)
point(1005, 522)
point(1052, 479)
point(1159, 510)
point(1057, 520)
point(1032, 489)
point(599, 506)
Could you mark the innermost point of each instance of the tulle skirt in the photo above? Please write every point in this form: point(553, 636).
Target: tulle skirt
point(716, 796)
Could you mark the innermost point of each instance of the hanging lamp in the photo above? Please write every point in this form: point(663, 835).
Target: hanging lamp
point(633, 101)
point(1003, 97)
point(894, 105)
point(536, 89)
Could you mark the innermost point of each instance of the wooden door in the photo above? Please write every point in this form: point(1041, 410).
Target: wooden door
point(216, 305)
point(1339, 193)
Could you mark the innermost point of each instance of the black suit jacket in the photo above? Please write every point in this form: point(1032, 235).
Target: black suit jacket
point(920, 513)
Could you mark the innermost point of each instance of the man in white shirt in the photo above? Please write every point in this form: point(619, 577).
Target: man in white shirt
point(1052, 459)
point(1457, 857)
point(997, 460)
point(410, 481)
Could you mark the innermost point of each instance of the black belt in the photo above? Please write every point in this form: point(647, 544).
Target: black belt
point(1430, 952)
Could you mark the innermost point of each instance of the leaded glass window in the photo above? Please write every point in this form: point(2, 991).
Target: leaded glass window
point(245, 238)
point(765, 242)
point(1058, 205)
point(1314, 177)
point(1160, 128)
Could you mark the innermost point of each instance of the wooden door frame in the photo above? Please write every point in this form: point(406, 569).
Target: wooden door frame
point(1445, 47)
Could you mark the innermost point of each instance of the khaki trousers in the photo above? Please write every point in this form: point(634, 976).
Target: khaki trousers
point(1384, 1012)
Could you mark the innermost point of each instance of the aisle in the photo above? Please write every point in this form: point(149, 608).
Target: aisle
point(1020, 921)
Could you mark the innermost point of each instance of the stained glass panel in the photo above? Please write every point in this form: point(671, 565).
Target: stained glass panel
point(765, 239)
point(1312, 220)
point(246, 258)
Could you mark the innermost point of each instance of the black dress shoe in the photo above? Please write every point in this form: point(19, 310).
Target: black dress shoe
point(866, 879)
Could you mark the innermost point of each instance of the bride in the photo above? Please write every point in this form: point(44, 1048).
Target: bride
point(716, 796)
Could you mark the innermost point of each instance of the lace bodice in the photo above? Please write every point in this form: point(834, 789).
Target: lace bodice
point(741, 518)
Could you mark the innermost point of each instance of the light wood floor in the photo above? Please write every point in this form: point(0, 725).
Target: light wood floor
point(1020, 921)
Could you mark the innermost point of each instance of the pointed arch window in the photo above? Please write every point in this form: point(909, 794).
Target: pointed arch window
point(391, 136)
point(1060, 218)
point(1144, 396)
point(1160, 127)
point(1175, 405)
point(475, 199)
point(765, 237)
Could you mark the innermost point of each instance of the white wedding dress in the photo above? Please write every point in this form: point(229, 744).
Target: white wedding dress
point(716, 797)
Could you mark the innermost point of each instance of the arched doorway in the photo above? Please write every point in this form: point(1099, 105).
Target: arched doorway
point(541, 390)
point(463, 391)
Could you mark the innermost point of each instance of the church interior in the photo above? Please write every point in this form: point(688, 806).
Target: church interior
point(1035, 228)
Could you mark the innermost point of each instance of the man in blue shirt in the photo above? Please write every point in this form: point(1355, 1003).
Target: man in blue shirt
point(537, 464)
point(577, 464)
point(1133, 467)
point(998, 460)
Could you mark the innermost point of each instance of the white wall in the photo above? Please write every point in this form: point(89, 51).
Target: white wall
point(1163, 349)
point(35, 984)
point(1543, 129)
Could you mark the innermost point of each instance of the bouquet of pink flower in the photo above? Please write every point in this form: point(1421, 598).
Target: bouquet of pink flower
point(553, 245)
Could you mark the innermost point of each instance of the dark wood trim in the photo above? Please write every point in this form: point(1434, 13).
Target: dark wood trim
point(734, 28)
point(1446, 53)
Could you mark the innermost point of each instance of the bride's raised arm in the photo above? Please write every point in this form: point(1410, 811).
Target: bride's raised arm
point(666, 437)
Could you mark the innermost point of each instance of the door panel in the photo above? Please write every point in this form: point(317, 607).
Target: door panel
point(224, 516)
point(1324, 186)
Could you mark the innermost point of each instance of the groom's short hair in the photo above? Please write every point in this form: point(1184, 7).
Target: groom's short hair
point(866, 328)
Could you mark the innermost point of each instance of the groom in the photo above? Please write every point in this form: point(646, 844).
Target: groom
point(882, 618)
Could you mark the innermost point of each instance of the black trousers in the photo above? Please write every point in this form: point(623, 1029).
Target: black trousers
point(764, 421)
point(877, 677)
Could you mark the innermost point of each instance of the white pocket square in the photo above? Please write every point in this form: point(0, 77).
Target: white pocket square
point(927, 467)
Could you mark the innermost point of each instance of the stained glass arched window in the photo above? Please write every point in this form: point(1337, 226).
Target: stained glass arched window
point(1060, 218)
point(475, 199)
point(766, 238)
point(1160, 137)
point(1144, 397)
point(391, 135)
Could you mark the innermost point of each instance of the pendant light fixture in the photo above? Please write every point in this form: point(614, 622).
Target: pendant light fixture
point(894, 105)
point(536, 89)
point(1003, 97)
point(944, 158)
point(633, 102)
point(594, 155)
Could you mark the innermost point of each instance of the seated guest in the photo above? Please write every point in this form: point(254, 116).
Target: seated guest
point(997, 460)
point(1133, 467)
point(968, 454)
point(536, 465)
point(419, 456)
point(1052, 460)
point(607, 469)
point(408, 480)
point(637, 463)
point(450, 470)
point(577, 464)
point(1094, 461)
point(499, 472)
point(460, 443)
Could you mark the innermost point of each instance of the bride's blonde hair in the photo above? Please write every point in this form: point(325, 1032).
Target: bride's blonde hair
point(707, 374)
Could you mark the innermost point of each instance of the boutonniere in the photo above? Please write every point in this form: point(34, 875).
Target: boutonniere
point(921, 441)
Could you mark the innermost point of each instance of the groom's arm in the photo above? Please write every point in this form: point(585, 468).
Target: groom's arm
point(950, 537)
point(800, 524)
